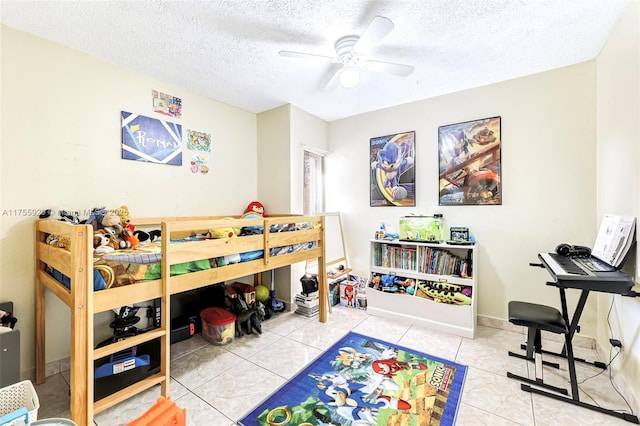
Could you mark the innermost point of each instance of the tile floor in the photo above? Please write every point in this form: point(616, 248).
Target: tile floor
point(218, 385)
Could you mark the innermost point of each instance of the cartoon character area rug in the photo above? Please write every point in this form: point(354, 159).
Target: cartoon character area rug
point(362, 381)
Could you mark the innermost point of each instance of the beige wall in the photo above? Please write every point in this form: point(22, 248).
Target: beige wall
point(274, 159)
point(618, 136)
point(548, 180)
point(60, 147)
point(282, 134)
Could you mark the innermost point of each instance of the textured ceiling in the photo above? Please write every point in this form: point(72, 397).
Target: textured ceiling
point(227, 50)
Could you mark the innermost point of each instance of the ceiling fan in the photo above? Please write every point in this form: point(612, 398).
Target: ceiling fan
point(350, 55)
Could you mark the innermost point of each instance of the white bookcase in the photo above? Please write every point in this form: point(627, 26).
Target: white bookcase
point(415, 270)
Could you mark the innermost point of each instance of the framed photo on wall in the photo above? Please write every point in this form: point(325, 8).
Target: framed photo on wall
point(469, 163)
point(392, 181)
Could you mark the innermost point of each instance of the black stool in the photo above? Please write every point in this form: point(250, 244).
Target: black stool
point(538, 318)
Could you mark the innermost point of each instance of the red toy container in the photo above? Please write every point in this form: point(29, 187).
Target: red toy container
point(218, 326)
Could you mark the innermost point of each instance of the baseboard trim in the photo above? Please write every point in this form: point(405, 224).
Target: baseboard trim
point(578, 340)
point(581, 341)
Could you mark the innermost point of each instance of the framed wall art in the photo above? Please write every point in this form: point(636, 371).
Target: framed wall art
point(152, 140)
point(392, 181)
point(469, 163)
point(198, 141)
point(167, 104)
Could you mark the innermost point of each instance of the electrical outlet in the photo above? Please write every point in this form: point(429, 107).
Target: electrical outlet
point(615, 343)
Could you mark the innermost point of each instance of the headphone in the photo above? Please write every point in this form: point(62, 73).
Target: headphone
point(572, 251)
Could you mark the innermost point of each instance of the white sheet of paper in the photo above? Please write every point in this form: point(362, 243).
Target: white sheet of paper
point(614, 239)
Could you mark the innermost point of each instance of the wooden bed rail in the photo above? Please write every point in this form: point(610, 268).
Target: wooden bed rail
point(79, 267)
point(76, 262)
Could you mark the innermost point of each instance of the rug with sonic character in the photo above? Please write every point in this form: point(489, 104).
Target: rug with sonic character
point(363, 381)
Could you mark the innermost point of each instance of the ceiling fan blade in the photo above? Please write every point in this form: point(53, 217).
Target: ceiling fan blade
point(332, 78)
point(307, 56)
point(375, 32)
point(390, 68)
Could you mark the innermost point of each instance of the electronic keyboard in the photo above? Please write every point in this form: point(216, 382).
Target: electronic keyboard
point(573, 275)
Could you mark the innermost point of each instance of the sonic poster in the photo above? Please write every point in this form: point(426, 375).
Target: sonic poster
point(469, 163)
point(392, 170)
point(152, 140)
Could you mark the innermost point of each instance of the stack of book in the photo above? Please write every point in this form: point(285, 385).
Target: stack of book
point(307, 304)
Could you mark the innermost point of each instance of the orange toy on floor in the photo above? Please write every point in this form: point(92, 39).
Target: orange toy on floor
point(163, 413)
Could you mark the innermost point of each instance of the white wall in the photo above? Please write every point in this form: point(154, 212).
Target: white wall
point(61, 147)
point(548, 179)
point(618, 143)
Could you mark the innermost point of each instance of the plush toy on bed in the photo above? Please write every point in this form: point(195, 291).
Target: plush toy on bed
point(69, 216)
point(147, 237)
point(125, 216)
point(113, 241)
point(128, 229)
point(101, 217)
point(116, 235)
point(101, 241)
point(255, 207)
point(131, 240)
point(226, 232)
point(59, 241)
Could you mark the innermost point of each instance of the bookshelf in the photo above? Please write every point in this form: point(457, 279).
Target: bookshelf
point(425, 283)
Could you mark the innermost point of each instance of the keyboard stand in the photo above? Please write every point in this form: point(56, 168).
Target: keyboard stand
point(575, 327)
point(574, 397)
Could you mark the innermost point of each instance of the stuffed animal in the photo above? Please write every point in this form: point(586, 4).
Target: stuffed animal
point(116, 235)
point(112, 240)
point(100, 217)
point(221, 233)
point(101, 242)
point(130, 239)
point(128, 230)
point(59, 241)
point(147, 237)
point(110, 219)
point(125, 217)
point(226, 232)
point(68, 216)
point(95, 217)
point(255, 207)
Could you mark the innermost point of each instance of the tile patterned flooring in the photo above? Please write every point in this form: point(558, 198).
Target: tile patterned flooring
point(218, 385)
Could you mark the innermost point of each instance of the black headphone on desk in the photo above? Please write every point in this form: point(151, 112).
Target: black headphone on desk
point(572, 251)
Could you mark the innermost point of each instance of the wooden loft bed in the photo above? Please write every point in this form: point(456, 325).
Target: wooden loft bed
point(76, 262)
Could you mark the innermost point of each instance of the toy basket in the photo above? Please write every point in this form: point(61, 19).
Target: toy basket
point(18, 404)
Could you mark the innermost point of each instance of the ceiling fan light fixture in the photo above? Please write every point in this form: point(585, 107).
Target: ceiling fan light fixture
point(349, 77)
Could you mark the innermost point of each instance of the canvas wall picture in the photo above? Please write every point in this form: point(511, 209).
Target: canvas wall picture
point(167, 104)
point(469, 163)
point(151, 140)
point(392, 181)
